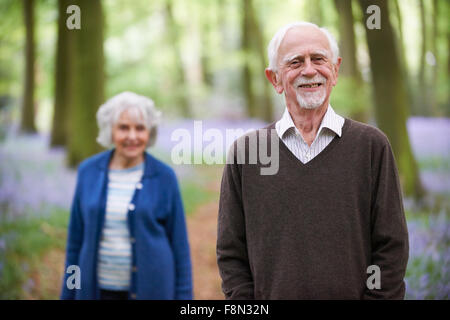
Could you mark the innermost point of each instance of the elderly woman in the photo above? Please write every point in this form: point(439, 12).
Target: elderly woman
point(127, 231)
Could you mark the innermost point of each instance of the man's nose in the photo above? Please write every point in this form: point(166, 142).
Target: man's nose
point(309, 70)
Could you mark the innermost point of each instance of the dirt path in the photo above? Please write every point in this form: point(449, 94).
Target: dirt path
point(202, 228)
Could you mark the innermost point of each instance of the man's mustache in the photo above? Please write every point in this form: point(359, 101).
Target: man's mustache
point(303, 80)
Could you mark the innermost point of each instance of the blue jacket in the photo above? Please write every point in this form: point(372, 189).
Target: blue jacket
point(160, 248)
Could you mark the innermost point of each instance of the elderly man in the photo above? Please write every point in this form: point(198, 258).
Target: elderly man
point(331, 220)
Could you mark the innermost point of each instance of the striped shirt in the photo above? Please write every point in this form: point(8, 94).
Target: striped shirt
point(114, 265)
point(330, 126)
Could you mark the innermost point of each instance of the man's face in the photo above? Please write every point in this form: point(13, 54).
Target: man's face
point(305, 73)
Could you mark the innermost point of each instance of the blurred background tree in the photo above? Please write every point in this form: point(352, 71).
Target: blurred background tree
point(88, 82)
point(63, 78)
point(391, 99)
point(28, 102)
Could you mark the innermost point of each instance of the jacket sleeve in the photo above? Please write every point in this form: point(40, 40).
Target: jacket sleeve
point(177, 232)
point(232, 255)
point(389, 234)
point(74, 241)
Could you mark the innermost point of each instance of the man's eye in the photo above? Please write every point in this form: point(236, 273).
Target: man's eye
point(140, 128)
point(123, 127)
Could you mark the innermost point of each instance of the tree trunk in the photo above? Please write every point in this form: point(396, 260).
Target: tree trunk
point(88, 82)
point(347, 44)
point(63, 78)
point(391, 107)
point(422, 89)
point(267, 103)
point(250, 99)
point(402, 56)
point(28, 109)
point(434, 77)
point(181, 98)
point(349, 69)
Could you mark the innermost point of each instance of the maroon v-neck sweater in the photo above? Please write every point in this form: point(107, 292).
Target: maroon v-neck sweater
point(311, 230)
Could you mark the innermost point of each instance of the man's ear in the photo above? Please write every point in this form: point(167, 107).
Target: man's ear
point(336, 70)
point(274, 80)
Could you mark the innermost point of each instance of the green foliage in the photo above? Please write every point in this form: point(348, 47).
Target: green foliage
point(194, 195)
point(26, 239)
point(351, 98)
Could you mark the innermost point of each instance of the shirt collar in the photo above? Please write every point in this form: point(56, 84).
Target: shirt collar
point(330, 120)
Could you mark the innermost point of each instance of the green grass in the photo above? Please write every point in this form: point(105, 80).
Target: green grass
point(435, 163)
point(27, 239)
point(194, 195)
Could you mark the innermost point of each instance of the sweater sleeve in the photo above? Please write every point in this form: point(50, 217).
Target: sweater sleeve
point(74, 241)
point(389, 234)
point(232, 255)
point(177, 232)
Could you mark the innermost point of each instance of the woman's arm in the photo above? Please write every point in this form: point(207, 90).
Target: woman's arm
point(74, 241)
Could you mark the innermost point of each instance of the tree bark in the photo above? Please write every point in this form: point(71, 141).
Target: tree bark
point(391, 107)
point(63, 78)
point(88, 82)
point(27, 123)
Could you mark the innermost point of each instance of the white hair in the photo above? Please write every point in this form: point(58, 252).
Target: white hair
point(275, 43)
point(140, 108)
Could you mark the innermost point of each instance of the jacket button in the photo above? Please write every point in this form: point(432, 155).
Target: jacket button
point(139, 186)
point(134, 269)
point(133, 296)
point(131, 207)
point(132, 240)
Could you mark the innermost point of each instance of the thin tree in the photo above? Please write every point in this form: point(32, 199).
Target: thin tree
point(27, 123)
point(181, 97)
point(434, 76)
point(88, 82)
point(391, 101)
point(253, 46)
point(63, 78)
point(349, 69)
point(347, 43)
point(249, 93)
point(422, 89)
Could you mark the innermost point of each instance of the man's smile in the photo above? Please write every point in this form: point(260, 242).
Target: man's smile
point(310, 85)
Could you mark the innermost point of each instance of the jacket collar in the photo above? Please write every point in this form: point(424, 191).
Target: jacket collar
point(151, 167)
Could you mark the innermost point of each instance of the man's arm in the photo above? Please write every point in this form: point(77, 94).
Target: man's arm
point(232, 256)
point(389, 234)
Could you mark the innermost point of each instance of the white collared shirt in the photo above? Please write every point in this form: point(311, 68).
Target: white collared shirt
point(330, 126)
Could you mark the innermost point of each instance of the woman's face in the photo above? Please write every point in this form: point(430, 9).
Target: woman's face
point(130, 136)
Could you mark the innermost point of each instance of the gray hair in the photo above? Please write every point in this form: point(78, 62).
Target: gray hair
point(141, 109)
point(275, 43)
